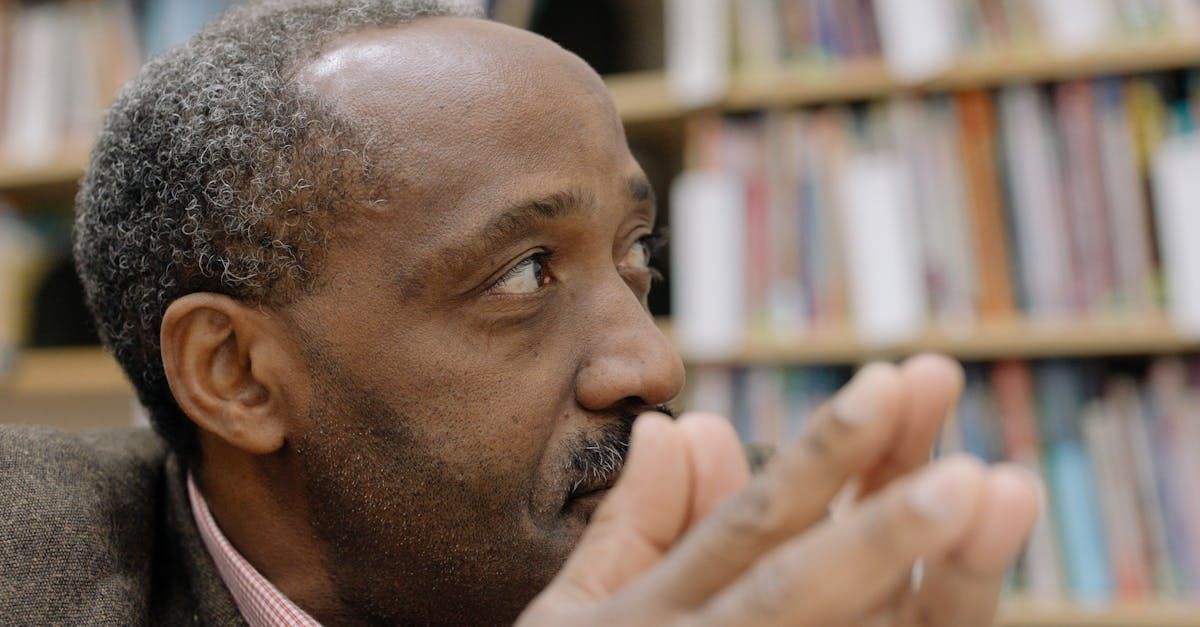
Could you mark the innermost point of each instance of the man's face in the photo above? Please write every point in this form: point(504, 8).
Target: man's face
point(478, 338)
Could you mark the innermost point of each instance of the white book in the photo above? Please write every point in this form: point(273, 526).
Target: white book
point(1184, 18)
point(33, 121)
point(887, 293)
point(1177, 208)
point(697, 50)
point(924, 136)
point(759, 36)
point(920, 38)
point(1075, 25)
point(1037, 200)
point(708, 259)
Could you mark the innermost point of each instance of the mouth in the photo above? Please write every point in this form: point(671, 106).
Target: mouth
point(595, 468)
point(595, 484)
point(583, 501)
point(597, 460)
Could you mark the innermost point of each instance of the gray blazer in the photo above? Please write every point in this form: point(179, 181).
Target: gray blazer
point(96, 529)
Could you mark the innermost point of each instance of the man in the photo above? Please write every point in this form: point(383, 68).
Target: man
point(378, 271)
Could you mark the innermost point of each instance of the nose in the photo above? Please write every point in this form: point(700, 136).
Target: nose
point(629, 357)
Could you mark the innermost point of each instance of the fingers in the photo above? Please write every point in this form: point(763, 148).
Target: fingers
point(642, 516)
point(932, 385)
point(718, 462)
point(964, 588)
point(838, 572)
point(843, 439)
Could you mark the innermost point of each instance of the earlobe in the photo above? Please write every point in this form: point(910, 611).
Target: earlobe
point(211, 346)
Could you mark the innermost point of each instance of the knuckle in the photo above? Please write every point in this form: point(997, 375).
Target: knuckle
point(828, 438)
point(756, 512)
point(885, 533)
point(768, 595)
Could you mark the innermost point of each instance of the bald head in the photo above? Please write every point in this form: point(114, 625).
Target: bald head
point(444, 98)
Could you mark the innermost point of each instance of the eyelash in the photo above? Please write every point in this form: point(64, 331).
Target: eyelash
point(541, 257)
point(654, 243)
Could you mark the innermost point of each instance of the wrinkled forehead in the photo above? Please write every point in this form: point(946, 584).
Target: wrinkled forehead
point(454, 104)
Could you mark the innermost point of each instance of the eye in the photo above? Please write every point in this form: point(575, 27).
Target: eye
point(642, 253)
point(527, 277)
point(638, 257)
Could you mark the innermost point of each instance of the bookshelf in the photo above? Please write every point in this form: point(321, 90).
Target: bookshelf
point(65, 170)
point(1023, 614)
point(50, 373)
point(986, 341)
point(87, 370)
point(645, 96)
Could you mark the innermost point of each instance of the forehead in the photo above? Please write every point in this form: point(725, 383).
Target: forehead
point(467, 109)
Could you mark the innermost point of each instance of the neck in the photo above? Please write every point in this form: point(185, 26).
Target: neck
point(263, 511)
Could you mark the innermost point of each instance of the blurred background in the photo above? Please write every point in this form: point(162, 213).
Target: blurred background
point(1013, 182)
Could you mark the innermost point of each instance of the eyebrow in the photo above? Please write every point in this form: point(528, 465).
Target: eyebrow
point(518, 219)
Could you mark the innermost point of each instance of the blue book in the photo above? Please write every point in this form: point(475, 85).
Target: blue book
point(1072, 482)
point(168, 23)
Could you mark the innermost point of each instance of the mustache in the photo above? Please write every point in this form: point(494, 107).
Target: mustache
point(598, 457)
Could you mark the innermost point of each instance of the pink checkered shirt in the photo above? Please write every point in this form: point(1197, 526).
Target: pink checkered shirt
point(261, 604)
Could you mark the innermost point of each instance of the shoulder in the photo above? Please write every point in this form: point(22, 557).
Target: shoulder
point(42, 447)
point(69, 471)
point(79, 517)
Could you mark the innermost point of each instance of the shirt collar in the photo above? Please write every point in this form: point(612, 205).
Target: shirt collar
point(260, 602)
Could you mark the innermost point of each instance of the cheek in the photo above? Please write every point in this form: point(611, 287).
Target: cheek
point(487, 411)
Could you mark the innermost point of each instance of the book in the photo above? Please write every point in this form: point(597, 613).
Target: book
point(919, 37)
point(1176, 188)
point(1013, 387)
point(1128, 214)
point(1036, 201)
point(697, 50)
point(708, 218)
point(887, 292)
point(985, 203)
point(1118, 501)
point(1071, 482)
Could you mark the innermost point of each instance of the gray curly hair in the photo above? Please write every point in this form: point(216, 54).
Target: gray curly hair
point(215, 172)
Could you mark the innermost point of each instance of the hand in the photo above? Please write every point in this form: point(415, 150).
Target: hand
point(686, 537)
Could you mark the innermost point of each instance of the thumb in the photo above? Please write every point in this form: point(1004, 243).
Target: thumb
point(644, 514)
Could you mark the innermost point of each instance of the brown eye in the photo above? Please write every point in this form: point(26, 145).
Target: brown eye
point(526, 277)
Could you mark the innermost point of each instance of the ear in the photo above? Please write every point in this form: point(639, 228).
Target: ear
point(227, 366)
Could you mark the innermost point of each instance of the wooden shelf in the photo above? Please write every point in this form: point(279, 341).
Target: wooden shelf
point(1021, 614)
point(986, 341)
point(645, 96)
point(50, 373)
point(65, 170)
point(92, 371)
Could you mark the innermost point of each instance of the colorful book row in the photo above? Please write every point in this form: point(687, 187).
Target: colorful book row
point(1118, 445)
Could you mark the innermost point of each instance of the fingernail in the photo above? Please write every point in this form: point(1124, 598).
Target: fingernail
point(937, 495)
point(859, 401)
